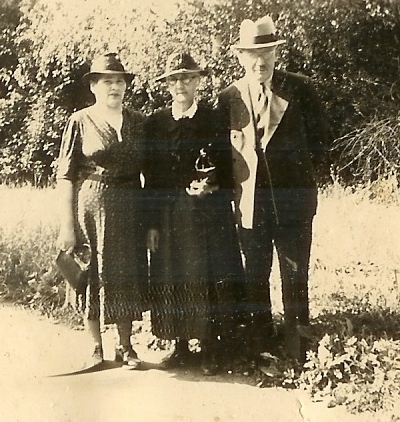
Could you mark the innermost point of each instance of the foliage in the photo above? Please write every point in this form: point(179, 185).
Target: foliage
point(28, 274)
point(350, 49)
point(370, 152)
point(362, 373)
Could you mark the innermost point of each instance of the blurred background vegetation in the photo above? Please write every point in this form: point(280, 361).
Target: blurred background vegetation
point(349, 48)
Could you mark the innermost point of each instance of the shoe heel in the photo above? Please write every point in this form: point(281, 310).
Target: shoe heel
point(127, 356)
point(96, 358)
point(119, 354)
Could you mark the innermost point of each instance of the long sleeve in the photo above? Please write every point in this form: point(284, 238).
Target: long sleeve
point(318, 134)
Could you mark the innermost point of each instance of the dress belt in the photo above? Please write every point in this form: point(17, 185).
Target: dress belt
point(109, 180)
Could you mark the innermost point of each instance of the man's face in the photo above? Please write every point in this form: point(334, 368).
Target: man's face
point(258, 63)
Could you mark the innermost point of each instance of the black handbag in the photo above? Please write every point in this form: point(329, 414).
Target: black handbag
point(74, 270)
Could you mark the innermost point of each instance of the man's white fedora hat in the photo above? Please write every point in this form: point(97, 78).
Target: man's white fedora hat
point(258, 34)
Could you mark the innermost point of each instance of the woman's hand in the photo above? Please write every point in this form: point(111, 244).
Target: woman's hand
point(66, 240)
point(153, 237)
point(201, 188)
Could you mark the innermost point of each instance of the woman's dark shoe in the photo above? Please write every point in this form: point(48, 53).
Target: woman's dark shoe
point(127, 356)
point(174, 360)
point(96, 358)
point(171, 361)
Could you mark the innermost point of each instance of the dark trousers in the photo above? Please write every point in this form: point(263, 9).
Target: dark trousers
point(292, 241)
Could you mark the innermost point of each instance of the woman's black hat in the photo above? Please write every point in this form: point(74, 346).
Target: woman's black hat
point(107, 64)
point(181, 63)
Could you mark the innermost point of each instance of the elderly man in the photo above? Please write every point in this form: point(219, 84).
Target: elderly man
point(277, 132)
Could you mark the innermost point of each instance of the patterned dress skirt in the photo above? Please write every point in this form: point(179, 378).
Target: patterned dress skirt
point(196, 278)
point(110, 219)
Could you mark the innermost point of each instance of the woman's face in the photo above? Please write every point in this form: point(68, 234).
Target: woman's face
point(183, 87)
point(109, 90)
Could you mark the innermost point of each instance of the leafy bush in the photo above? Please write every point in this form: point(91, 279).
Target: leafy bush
point(350, 49)
point(362, 373)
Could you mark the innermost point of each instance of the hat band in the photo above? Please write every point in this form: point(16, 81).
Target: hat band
point(264, 39)
point(182, 69)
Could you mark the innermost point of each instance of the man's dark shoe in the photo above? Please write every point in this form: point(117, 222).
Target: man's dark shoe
point(209, 365)
point(180, 356)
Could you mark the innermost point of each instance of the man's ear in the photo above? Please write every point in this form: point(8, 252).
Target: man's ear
point(238, 53)
point(91, 85)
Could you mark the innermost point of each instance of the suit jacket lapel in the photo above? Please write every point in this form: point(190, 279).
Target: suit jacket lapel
point(278, 105)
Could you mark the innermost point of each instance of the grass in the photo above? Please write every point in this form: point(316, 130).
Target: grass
point(355, 251)
point(28, 227)
point(354, 285)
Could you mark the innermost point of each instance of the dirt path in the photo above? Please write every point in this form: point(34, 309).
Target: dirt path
point(35, 355)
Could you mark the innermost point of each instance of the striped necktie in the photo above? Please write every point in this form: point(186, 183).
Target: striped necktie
point(260, 109)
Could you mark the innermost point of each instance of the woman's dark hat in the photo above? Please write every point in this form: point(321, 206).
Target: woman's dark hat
point(107, 64)
point(258, 34)
point(181, 63)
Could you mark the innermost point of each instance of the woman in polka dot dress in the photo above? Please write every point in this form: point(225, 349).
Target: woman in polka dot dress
point(99, 184)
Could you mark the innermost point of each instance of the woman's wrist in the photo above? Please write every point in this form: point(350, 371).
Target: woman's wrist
point(67, 227)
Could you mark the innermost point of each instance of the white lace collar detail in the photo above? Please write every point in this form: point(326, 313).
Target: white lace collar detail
point(177, 114)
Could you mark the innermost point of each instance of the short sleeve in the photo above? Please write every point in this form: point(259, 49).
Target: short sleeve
point(70, 151)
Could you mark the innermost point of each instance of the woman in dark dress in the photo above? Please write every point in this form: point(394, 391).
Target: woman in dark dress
point(99, 185)
point(196, 274)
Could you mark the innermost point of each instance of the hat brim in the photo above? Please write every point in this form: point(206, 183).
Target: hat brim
point(201, 72)
point(256, 46)
point(128, 76)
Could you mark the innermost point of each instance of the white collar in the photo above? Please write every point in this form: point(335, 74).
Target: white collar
point(255, 86)
point(178, 114)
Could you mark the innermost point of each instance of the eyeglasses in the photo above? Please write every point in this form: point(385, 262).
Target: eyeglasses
point(172, 80)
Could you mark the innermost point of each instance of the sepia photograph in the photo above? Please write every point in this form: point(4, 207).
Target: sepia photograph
point(200, 210)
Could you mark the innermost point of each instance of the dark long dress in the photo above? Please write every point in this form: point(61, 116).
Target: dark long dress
point(106, 174)
point(196, 275)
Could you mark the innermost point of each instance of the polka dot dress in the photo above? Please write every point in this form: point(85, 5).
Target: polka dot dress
point(109, 210)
